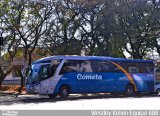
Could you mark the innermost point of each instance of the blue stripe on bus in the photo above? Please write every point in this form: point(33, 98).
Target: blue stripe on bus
point(110, 82)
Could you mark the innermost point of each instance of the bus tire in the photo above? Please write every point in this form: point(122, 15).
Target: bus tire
point(115, 94)
point(52, 96)
point(158, 91)
point(129, 90)
point(64, 92)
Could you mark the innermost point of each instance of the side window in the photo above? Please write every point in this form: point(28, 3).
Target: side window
point(70, 66)
point(150, 69)
point(133, 70)
point(85, 66)
point(106, 66)
point(145, 67)
point(44, 72)
point(116, 69)
point(103, 66)
point(53, 66)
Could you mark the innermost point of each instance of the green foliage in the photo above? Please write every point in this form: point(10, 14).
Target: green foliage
point(19, 54)
point(100, 27)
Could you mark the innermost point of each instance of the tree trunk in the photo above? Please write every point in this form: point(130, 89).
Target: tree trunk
point(22, 82)
point(1, 80)
point(30, 58)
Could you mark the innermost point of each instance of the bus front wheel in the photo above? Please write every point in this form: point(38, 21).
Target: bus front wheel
point(129, 90)
point(64, 92)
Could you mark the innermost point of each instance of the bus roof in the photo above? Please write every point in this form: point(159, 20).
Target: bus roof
point(48, 59)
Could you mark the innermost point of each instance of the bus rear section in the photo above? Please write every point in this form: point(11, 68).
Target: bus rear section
point(78, 75)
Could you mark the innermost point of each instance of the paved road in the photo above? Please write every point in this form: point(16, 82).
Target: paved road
point(95, 101)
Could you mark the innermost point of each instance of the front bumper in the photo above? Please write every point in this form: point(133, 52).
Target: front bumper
point(30, 89)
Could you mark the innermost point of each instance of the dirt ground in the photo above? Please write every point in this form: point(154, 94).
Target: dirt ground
point(11, 88)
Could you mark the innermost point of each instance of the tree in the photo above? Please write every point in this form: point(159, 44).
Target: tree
point(133, 19)
point(81, 25)
point(61, 38)
point(154, 24)
point(27, 19)
point(23, 23)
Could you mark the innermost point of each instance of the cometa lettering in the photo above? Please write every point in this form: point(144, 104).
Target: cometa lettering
point(89, 77)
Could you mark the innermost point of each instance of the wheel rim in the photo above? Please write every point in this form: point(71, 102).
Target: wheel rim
point(129, 90)
point(65, 92)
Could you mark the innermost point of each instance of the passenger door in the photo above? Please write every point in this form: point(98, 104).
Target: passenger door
point(44, 77)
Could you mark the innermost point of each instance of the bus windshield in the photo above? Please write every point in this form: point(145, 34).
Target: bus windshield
point(39, 72)
point(33, 76)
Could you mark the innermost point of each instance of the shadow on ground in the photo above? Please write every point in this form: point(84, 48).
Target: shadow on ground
point(25, 99)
